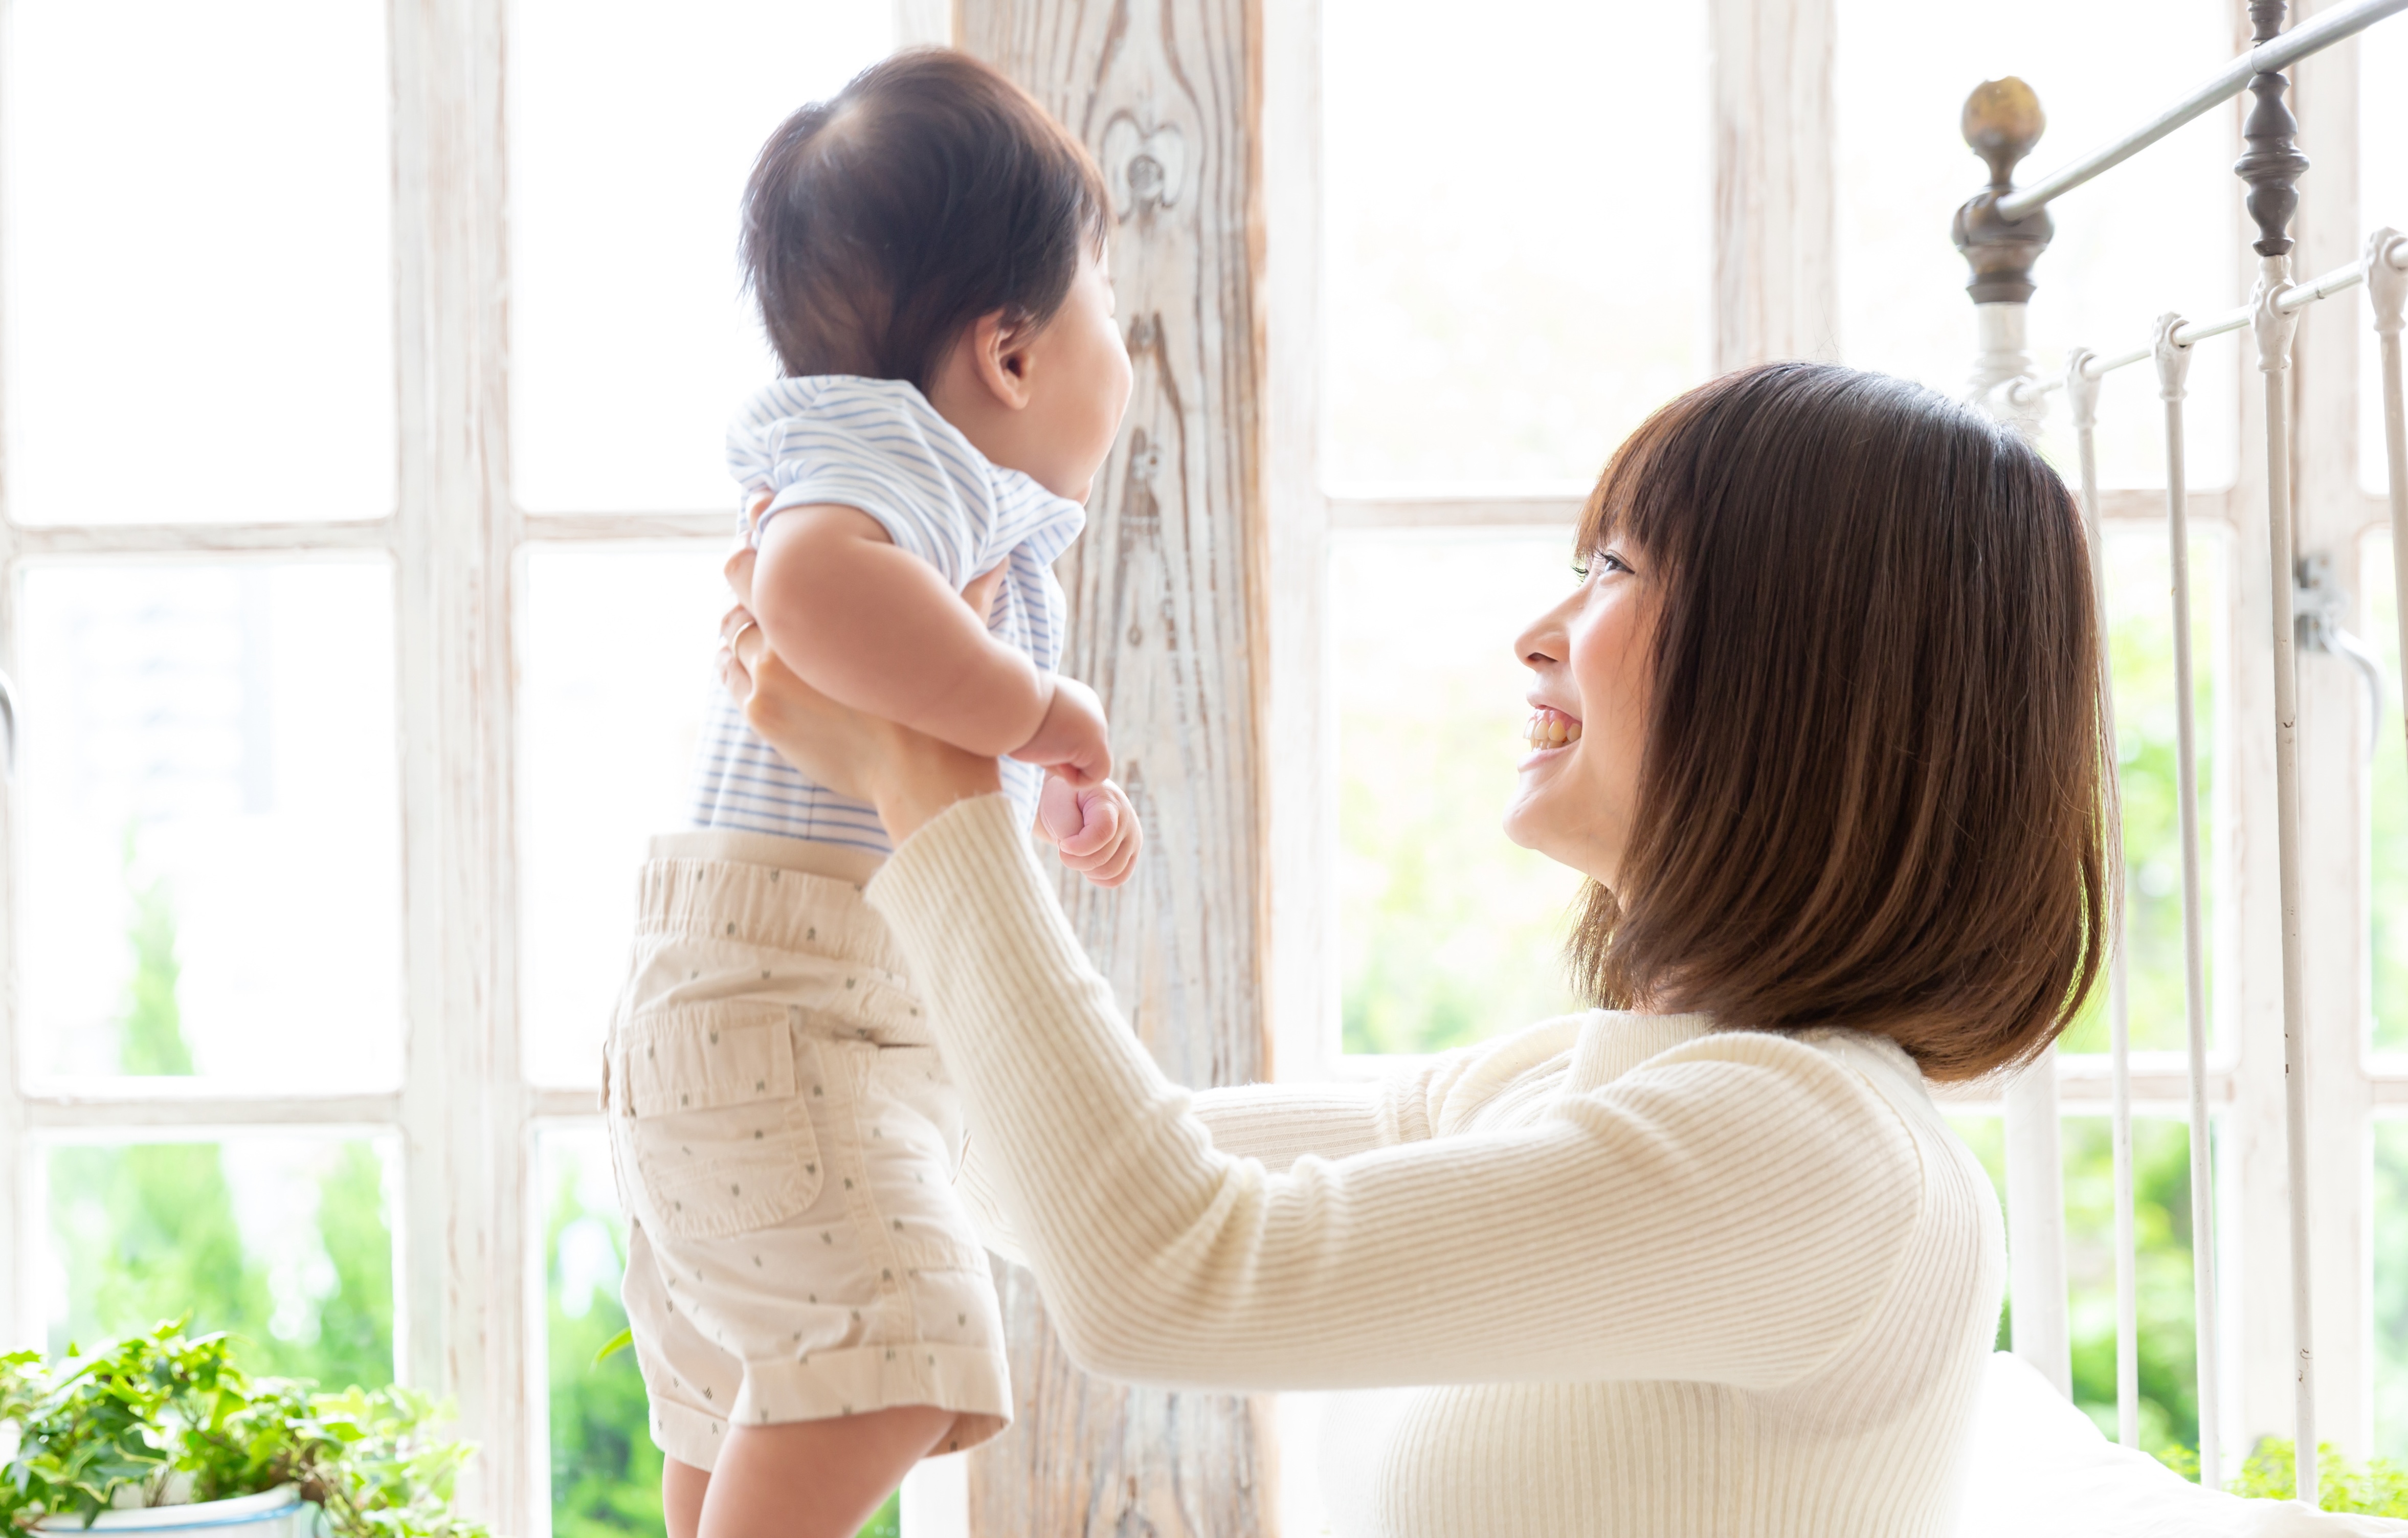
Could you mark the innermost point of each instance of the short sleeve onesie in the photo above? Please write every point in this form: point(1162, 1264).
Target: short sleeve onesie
point(879, 446)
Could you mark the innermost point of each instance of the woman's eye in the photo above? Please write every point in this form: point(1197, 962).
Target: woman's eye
point(1598, 560)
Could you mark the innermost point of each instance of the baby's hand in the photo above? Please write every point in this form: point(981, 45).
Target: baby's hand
point(1095, 831)
point(1072, 740)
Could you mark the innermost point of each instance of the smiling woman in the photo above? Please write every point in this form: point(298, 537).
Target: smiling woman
point(1717, 1234)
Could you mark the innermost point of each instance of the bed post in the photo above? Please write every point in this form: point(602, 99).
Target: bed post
point(2272, 167)
point(2002, 122)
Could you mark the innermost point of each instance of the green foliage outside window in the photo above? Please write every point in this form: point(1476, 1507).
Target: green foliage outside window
point(2376, 1488)
point(2141, 643)
point(150, 1231)
point(2378, 625)
point(605, 1473)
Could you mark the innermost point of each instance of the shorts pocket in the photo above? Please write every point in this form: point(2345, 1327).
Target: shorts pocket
point(723, 1144)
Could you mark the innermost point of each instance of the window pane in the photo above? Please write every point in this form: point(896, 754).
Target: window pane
point(1448, 933)
point(2382, 199)
point(606, 1472)
point(283, 1241)
point(2169, 1334)
point(2390, 1189)
point(1508, 289)
point(2378, 625)
point(2141, 623)
point(212, 829)
point(2169, 1337)
point(632, 129)
point(199, 295)
point(615, 675)
point(2157, 233)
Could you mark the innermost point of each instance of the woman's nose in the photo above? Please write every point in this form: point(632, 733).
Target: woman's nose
point(1543, 645)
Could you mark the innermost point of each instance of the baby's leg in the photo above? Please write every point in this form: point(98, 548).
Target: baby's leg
point(815, 1478)
point(682, 1488)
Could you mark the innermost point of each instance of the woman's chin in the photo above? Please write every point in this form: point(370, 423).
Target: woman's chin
point(1535, 821)
point(1526, 821)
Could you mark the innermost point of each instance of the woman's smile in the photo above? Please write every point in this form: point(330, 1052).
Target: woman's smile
point(1550, 731)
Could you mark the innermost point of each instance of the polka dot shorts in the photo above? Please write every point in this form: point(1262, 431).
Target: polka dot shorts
point(786, 1141)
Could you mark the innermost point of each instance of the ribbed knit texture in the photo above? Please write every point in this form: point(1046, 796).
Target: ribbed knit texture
point(1653, 1278)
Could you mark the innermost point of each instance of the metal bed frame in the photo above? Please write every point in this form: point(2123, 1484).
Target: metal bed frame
point(2002, 231)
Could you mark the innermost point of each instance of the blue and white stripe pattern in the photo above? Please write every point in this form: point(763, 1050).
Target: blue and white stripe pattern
point(879, 446)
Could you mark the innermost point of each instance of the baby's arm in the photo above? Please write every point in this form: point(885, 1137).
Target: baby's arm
point(876, 627)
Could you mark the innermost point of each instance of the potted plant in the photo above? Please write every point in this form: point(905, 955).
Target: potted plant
point(163, 1431)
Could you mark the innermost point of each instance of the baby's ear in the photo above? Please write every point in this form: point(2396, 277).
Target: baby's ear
point(999, 353)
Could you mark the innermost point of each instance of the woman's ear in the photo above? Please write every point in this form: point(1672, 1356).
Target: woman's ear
point(999, 358)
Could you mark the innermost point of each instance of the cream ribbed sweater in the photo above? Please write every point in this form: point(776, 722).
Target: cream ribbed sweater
point(1653, 1278)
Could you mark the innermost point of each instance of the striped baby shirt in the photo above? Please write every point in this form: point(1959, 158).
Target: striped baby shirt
point(879, 446)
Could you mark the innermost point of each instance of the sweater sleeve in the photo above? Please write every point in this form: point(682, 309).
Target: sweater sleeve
point(1733, 1211)
point(1275, 1123)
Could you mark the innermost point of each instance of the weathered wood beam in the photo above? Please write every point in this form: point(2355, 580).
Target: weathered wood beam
point(1776, 208)
point(1165, 589)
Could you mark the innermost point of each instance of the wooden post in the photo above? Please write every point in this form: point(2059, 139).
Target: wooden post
point(1776, 211)
point(1165, 589)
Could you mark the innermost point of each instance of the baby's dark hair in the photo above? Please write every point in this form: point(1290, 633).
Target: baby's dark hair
point(881, 223)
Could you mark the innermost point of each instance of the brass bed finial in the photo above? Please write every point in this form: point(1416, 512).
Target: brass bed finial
point(2002, 122)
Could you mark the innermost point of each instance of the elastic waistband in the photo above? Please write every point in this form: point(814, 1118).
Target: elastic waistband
point(757, 889)
point(834, 861)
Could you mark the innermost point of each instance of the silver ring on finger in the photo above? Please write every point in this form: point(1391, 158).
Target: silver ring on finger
point(747, 625)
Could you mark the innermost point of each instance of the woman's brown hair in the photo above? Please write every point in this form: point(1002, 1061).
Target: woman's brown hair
point(1874, 792)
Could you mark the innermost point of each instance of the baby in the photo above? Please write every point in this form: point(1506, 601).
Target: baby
point(811, 1309)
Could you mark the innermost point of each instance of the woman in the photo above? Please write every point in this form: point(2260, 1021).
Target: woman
point(1706, 1259)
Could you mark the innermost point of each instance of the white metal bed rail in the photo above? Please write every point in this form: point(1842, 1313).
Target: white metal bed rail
point(2001, 232)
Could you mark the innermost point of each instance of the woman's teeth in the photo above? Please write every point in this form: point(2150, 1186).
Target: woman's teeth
point(1552, 728)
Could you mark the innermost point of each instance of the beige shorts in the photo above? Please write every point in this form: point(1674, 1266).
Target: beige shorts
point(786, 1141)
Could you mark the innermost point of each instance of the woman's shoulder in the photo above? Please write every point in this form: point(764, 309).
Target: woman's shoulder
point(1856, 1084)
point(1835, 1081)
point(1828, 1106)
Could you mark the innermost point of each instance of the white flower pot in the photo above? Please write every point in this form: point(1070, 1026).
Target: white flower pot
point(280, 1513)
